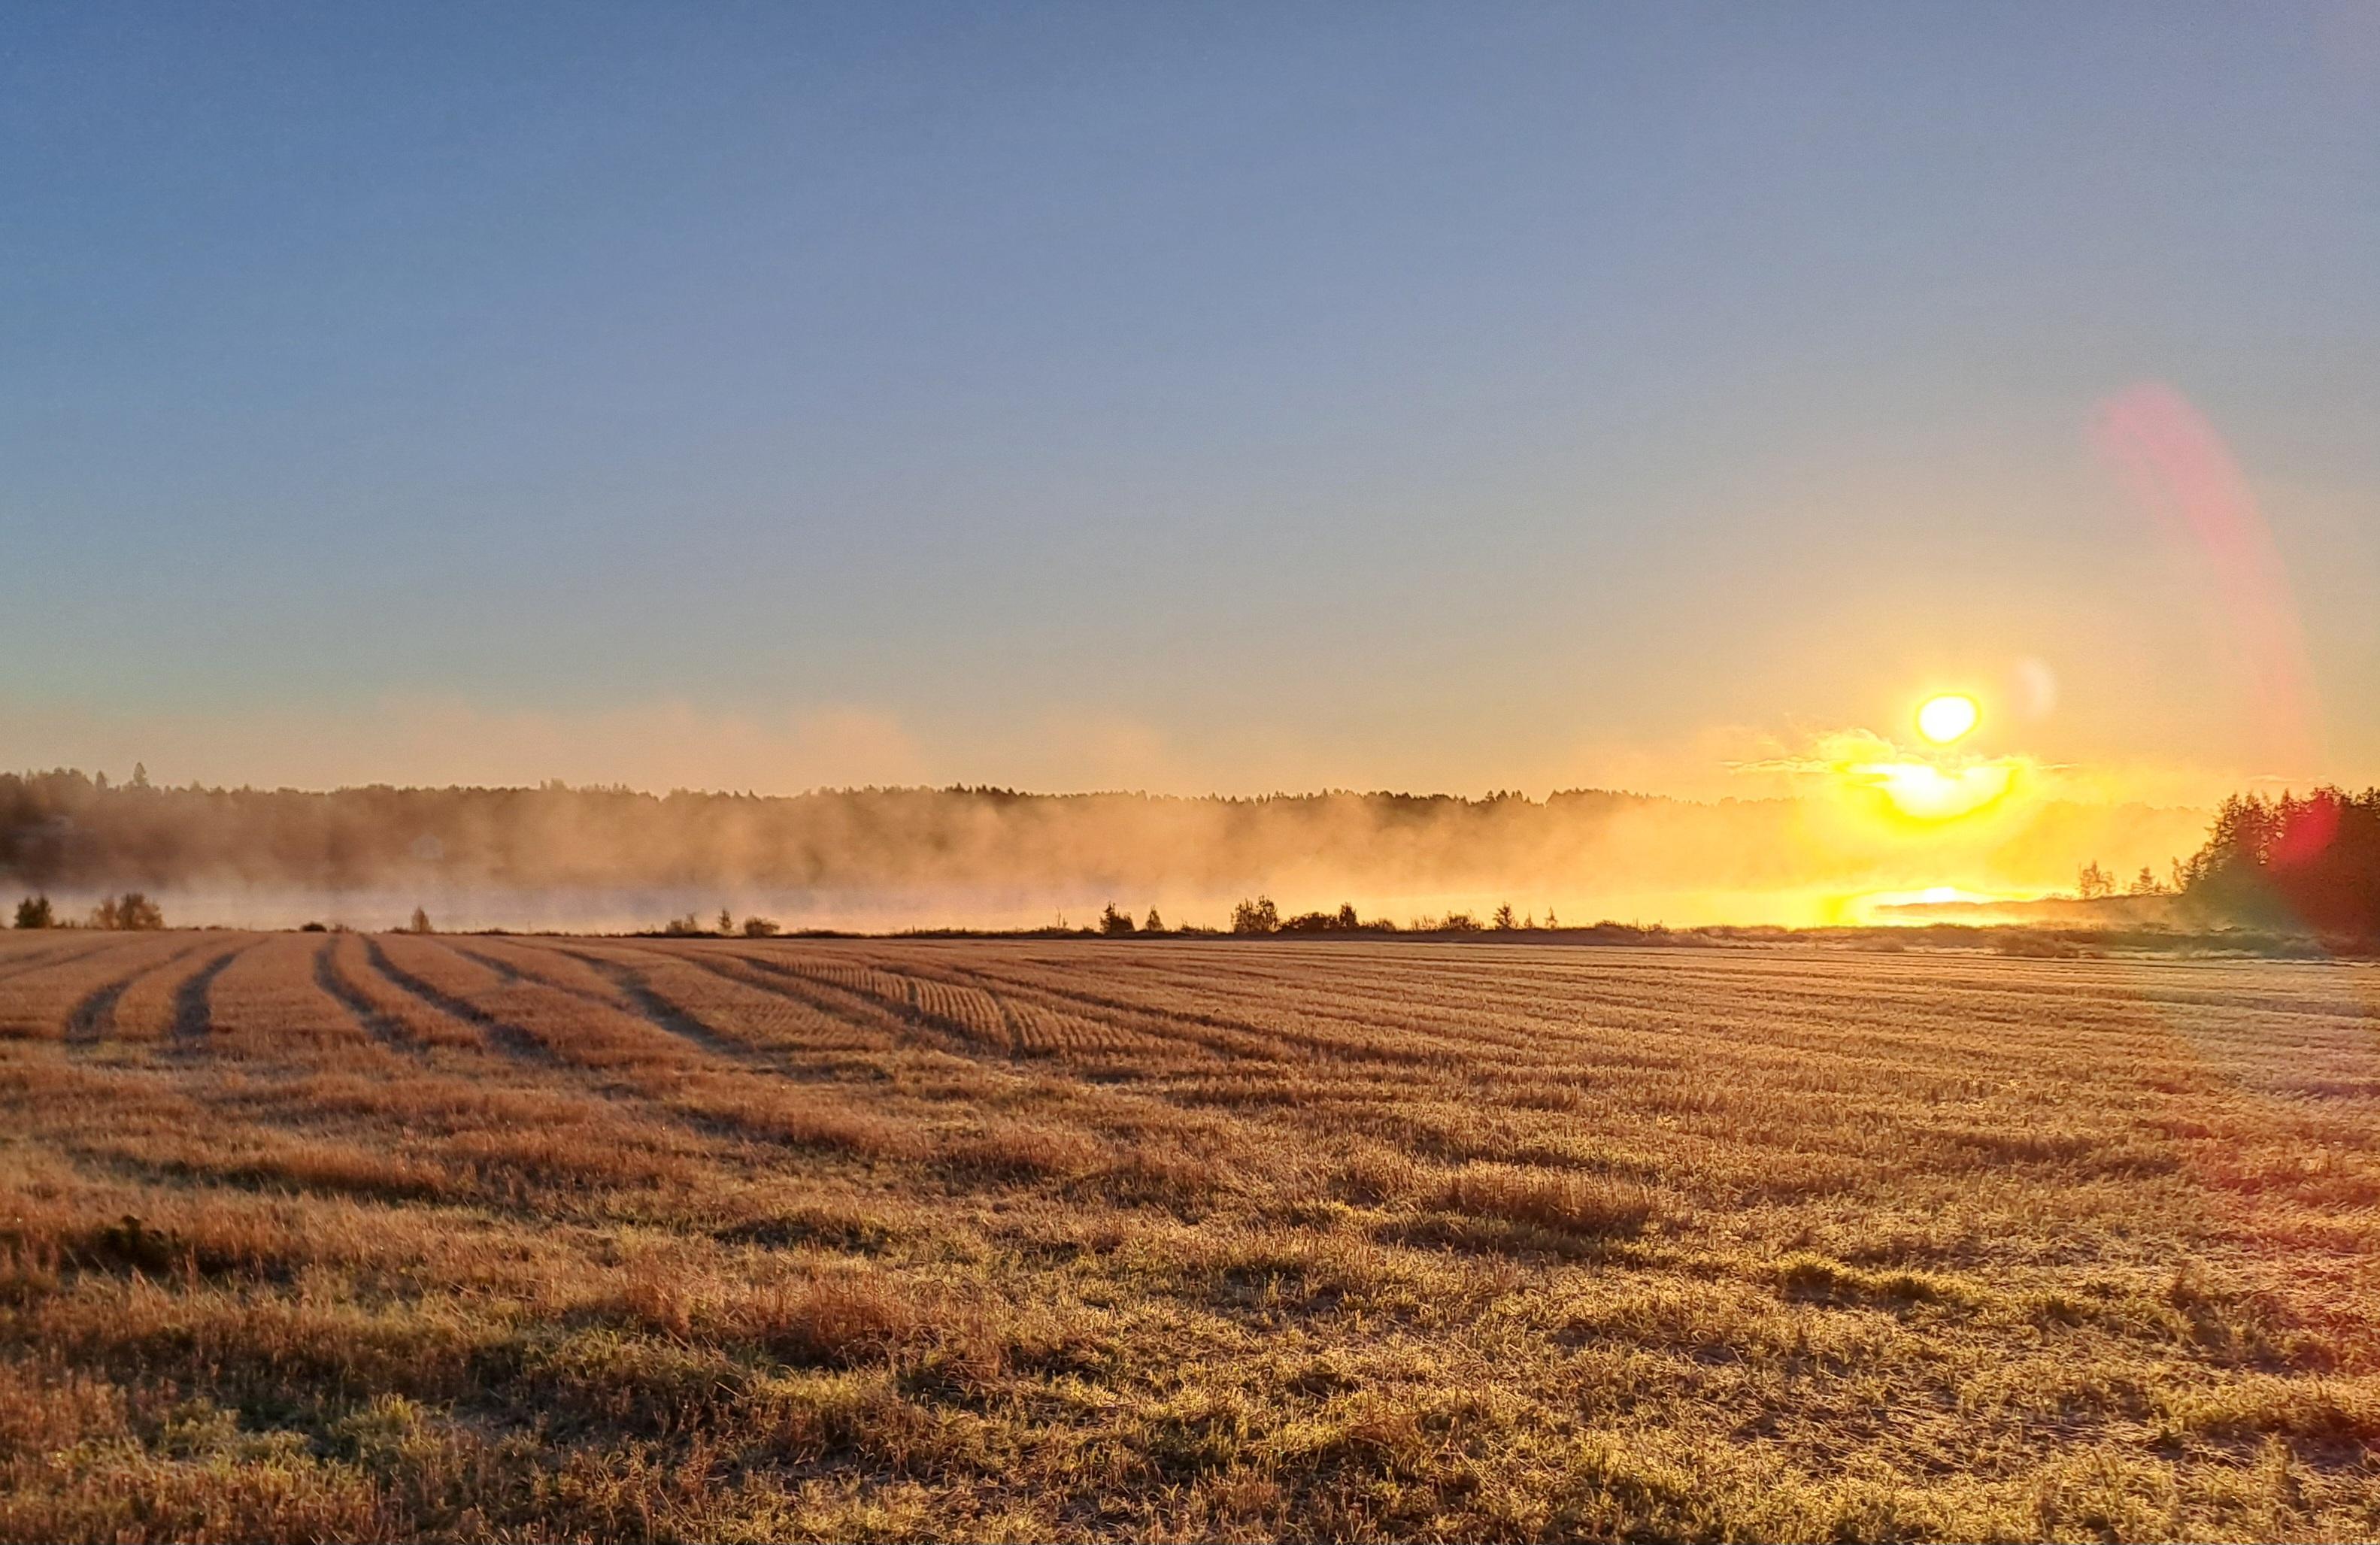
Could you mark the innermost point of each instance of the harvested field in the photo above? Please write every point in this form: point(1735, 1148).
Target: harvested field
point(310, 1236)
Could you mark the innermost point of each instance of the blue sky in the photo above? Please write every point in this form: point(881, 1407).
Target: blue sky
point(1183, 397)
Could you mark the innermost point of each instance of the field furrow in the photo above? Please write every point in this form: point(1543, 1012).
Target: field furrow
point(737, 1009)
point(43, 1002)
point(193, 1020)
point(531, 1237)
point(422, 972)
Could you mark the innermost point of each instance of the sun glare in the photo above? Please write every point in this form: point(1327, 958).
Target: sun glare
point(1925, 792)
point(1946, 718)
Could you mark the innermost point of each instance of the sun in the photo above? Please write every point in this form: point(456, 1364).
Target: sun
point(1946, 718)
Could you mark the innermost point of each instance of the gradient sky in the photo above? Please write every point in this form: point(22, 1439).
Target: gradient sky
point(1184, 397)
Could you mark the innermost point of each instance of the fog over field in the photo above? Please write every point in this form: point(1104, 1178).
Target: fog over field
point(578, 859)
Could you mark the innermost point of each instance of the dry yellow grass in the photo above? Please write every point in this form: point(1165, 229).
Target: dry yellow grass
point(335, 1236)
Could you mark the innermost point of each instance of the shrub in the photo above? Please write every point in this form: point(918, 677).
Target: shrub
point(131, 911)
point(760, 928)
point(1260, 916)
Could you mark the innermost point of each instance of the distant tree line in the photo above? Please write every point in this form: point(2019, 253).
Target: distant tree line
point(1259, 914)
point(132, 911)
point(2309, 863)
point(691, 927)
point(67, 828)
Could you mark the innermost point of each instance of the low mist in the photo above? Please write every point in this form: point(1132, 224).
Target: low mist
point(883, 859)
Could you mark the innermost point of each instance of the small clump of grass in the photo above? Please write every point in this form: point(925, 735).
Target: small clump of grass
point(1818, 1278)
point(1580, 1206)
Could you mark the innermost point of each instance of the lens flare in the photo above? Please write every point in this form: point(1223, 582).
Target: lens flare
point(2185, 479)
point(1947, 717)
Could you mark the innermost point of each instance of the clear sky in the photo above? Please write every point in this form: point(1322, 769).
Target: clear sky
point(1191, 397)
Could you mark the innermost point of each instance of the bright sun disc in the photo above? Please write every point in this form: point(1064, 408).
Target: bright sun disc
point(1945, 718)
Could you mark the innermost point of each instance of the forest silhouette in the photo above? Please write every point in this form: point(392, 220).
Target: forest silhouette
point(2308, 863)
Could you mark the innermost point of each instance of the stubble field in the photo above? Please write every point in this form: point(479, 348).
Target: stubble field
point(355, 1236)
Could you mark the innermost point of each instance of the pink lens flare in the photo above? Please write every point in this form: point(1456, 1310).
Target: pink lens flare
point(2308, 828)
point(2187, 482)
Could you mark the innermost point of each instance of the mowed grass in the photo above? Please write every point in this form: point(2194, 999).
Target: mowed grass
point(352, 1237)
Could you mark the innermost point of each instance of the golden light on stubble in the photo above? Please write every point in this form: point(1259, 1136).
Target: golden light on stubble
point(1947, 717)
